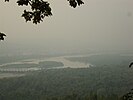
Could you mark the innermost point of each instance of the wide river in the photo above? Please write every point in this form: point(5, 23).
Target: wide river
point(67, 63)
point(9, 72)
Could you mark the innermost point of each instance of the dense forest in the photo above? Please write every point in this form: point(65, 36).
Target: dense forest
point(99, 82)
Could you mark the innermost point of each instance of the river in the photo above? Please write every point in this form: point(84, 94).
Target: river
point(67, 63)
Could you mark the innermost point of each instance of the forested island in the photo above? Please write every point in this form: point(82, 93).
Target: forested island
point(109, 79)
point(50, 64)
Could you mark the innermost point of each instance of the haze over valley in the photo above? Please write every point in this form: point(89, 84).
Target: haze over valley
point(76, 54)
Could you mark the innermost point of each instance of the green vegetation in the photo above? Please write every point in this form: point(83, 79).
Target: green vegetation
point(63, 82)
point(50, 64)
point(95, 83)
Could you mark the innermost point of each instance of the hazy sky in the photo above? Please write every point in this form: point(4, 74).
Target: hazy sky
point(96, 25)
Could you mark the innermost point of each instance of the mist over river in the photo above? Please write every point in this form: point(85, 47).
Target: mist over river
point(67, 64)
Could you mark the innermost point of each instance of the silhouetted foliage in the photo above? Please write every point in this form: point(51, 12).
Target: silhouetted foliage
point(130, 65)
point(40, 9)
point(128, 96)
point(6, 0)
point(2, 36)
point(74, 3)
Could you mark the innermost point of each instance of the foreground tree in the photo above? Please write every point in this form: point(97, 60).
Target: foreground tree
point(39, 10)
point(128, 96)
point(131, 64)
point(2, 36)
